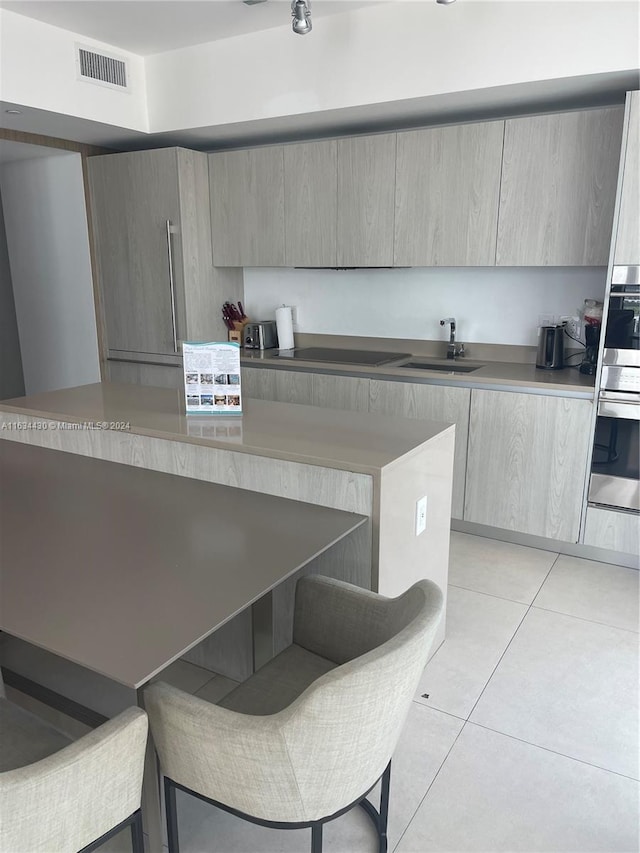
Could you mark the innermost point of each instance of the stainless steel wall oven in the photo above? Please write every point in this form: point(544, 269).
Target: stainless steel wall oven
point(615, 465)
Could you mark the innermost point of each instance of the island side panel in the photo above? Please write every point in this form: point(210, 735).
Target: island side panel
point(324, 486)
point(348, 560)
point(405, 558)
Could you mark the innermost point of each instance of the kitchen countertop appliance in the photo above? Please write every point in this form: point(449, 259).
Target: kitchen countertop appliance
point(615, 466)
point(260, 335)
point(550, 354)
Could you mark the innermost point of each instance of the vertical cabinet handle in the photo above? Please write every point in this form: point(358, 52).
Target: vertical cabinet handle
point(172, 287)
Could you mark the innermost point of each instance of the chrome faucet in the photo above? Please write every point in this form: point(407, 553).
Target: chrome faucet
point(453, 350)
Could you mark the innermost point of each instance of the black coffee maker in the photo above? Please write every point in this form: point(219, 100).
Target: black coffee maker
point(592, 340)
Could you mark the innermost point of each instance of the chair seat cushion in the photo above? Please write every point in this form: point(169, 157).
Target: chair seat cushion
point(277, 683)
point(25, 738)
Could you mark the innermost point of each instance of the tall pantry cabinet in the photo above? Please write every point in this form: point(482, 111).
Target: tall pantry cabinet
point(151, 219)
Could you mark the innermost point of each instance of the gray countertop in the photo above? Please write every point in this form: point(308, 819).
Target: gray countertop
point(510, 376)
point(353, 441)
point(97, 556)
point(501, 367)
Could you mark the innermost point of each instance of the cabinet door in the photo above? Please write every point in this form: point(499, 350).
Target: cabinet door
point(627, 249)
point(340, 392)
point(559, 177)
point(247, 207)
point(433, 403)
point(447, 193)
point(285, 386)
point(134, 196)
point(527, 462)
point(138, 373)
point(366, 194)
point(310, 203)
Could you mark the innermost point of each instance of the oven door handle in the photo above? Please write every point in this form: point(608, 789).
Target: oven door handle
point(625, 409)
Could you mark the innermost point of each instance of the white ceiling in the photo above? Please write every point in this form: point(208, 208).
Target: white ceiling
point(146, 27)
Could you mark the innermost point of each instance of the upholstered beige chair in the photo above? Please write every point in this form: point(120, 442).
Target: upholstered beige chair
point(308, 736)
point(64, 796)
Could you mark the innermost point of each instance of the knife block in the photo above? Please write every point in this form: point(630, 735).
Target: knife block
point(236, 334)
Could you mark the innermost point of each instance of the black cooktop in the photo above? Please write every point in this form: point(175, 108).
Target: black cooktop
point(343, 356)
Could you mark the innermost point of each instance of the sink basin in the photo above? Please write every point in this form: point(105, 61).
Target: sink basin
point(452, 367)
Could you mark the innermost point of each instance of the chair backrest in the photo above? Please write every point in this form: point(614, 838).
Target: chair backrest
point(342, 731)
point(71, 798)
point(328, 747)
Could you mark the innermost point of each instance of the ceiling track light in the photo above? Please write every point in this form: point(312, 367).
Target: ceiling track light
point(301, 14)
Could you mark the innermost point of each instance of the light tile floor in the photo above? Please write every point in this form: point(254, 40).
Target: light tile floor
point(523, 735)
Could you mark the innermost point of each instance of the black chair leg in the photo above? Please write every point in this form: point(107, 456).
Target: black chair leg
point(316, 838)
point(172, 816)
point(384, 808)
point(137, 839)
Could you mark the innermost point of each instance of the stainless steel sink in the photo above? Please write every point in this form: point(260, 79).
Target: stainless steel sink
point(452, 367)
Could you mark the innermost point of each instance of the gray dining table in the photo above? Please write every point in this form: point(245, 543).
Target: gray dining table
point(122, 570)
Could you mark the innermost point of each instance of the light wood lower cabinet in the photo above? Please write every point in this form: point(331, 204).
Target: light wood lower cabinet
point(284, 386)
point(616, 531)
point(139, 373)
point(526, 462)
point(433, 403)
point(340, 392)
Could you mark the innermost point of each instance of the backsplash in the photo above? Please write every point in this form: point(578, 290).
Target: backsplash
point(498, 305)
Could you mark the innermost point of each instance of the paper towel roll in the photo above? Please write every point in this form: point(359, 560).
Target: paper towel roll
point(284, 325)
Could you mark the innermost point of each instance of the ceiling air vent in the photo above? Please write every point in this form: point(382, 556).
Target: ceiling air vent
point(101, 68)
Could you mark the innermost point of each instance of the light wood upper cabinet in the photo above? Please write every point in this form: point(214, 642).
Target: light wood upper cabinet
point(527, 462)
point(366, 192)
point(559, 178)
point(447, 193)
point(627, 249)
point(247, 207)
point(150, 215)
point(432, 403)
point(310, 203)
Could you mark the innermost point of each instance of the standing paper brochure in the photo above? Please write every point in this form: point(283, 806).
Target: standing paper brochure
point(212, 378)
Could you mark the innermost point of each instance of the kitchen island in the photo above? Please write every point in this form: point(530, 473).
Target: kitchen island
point(373, 465)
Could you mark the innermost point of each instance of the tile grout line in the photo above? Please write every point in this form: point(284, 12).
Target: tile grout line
point(499, 598)
point(553, 751)
point(467, 720)
point(584, 619)
point(437, 773)
point(533, 600)
point(492, 594)
point(508, 646)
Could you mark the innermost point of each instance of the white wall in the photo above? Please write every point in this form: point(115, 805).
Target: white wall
point(390, 52)
point(38, 69)
point(46, 227)
point(491, 305)
point(382, 54)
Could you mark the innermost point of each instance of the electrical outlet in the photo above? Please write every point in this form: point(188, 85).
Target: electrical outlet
point(572, 326)
point(421, 515)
